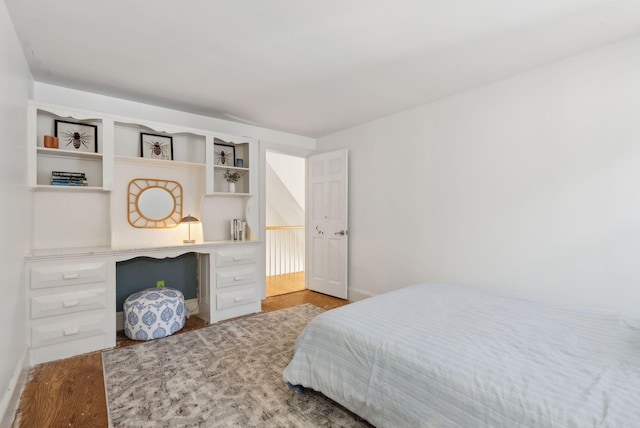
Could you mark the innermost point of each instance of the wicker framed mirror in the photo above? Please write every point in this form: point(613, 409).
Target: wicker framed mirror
point(154, 203)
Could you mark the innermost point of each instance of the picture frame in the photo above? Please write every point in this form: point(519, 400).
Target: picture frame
point(155, 146)
point(76, 136)
point(224, 154)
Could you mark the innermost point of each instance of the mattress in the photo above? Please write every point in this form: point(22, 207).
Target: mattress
point(448, 356)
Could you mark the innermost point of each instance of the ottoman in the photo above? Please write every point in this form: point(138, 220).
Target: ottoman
point(153, 313)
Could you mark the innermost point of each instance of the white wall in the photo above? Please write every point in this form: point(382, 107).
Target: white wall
point(285, 186)
point(291, 170)
point(15, 216)
point(529, 186)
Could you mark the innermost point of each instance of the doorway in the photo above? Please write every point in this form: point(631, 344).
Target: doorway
point(285, 185)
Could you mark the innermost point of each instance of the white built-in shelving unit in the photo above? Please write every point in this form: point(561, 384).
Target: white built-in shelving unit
point(80, 233)
point(118, 160)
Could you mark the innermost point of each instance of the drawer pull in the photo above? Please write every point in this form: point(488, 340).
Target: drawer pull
point(238, 278)
point(237, 259)
point(238, 299)
point(70, 276)
point(71, 331)
point(70, 304)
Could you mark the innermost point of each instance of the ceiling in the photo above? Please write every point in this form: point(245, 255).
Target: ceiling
point(303, 66)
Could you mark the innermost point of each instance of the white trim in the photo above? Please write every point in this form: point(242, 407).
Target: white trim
point(11, 398)
point(302, 152)
point(355, 294)
point(189, 303)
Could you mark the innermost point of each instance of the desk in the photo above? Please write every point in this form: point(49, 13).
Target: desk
point(71, 292)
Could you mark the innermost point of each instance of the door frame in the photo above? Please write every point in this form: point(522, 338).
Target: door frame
point(264, 147)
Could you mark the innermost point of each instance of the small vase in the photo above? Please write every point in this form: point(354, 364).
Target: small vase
point(50, 142)
point(232, 187)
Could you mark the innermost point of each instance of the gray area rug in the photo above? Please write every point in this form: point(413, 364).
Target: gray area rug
point(226, 375)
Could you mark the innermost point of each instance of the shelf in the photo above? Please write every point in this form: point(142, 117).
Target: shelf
point(230, 194)
point(231, 167)
point(158, 162)
point(70, 188)
point(61, 153)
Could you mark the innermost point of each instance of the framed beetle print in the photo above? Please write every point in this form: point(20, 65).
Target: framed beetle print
point(156, 146)
point(77, 137)
point(224, 154)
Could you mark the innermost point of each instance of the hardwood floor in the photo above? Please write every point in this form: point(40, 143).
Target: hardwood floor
point(67, 393)
point(70, 392)
point(285, 283)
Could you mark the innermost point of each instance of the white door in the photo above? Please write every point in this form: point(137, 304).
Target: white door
point(327, 224)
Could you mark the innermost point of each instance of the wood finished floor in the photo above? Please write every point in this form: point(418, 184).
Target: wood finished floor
point(285, 283)
point(70, 392)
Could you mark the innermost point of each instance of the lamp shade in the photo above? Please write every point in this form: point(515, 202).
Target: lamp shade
point(189, 219)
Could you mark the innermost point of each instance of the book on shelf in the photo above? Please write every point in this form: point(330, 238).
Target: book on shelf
point(68, 183)
point(68, 174)
point(68, 178)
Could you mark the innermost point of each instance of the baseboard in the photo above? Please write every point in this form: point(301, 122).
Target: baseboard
point(11, 398)
point(192, 305)
point(355, 294)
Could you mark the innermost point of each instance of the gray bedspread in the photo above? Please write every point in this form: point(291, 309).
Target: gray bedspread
point(446, 356)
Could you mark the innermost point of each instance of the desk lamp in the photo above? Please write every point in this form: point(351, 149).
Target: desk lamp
point(189, 219)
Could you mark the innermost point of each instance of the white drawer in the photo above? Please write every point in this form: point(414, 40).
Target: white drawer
point(236, 256)
point(66, 303)
point(236, 276)
point(236, 298)
point(55, 275)
point(69, 330)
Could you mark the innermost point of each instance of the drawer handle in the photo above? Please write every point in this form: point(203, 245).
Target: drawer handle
point(71, 331)
point(237, 278)
point(70, 276)
point(237, 259)
point(70, 304)
point(238, 299)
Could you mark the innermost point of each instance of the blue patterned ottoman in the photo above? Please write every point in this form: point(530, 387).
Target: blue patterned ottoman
point(153, 313)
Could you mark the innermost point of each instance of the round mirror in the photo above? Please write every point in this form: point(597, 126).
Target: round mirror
point(156, 203)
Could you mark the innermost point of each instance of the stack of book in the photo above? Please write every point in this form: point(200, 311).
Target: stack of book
point(64, 178)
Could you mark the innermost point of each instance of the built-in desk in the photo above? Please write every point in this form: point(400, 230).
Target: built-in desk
point(71, 292)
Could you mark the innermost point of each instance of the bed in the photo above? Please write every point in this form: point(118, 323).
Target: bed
point(439, 355)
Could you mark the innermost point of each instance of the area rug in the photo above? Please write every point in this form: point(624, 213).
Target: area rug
point(226, 375)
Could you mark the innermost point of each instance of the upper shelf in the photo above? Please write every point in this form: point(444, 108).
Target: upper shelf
point(129, 141)
point(237, 168)
point(68, 154)
point(158, 162)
